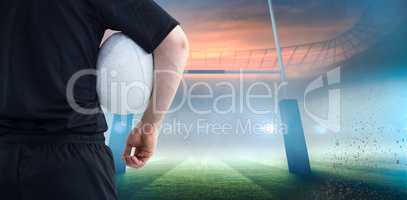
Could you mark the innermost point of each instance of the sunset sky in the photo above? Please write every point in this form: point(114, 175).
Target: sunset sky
point(245, 24)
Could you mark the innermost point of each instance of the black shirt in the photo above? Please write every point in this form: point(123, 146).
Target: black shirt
point(44, 42)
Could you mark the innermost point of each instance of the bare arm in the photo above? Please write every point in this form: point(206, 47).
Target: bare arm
point(170, 59)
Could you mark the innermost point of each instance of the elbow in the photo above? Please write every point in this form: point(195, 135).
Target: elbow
point(179, 39)
point(181, 45)
point(176, 42)
point(173, 52)
point(184, 44)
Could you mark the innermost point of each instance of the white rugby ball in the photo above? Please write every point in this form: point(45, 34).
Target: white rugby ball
point(124, 76)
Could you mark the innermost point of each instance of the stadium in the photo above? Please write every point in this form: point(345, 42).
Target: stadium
point(281, 100)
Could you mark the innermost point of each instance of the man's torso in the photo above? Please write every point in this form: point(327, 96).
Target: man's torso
point(43, 43)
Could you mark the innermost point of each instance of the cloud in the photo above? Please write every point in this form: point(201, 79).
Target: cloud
point(245, 24)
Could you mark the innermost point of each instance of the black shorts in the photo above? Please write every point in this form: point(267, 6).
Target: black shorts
point(71, 167)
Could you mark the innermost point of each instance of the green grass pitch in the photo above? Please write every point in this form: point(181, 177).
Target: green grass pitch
point(244, 180)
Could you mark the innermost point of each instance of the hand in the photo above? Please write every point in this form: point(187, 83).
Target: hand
point(144, 139)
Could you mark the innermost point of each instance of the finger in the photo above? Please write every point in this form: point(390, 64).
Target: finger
point(144, 156)
point(140, 158)
point(130, 162)
point(132, 141)
point(133, 162)
point(127, 151)
point(138, 162)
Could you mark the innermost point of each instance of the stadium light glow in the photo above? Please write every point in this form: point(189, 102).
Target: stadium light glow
point(320, 130)
point(269, 128)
